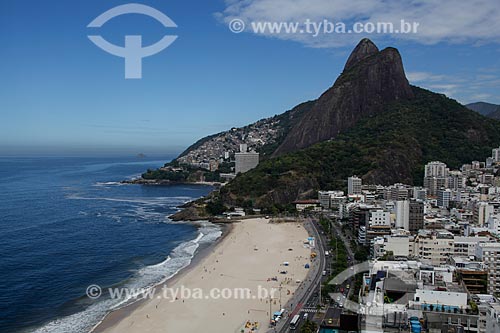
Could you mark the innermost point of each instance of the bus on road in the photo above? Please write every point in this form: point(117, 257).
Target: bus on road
point(295, 322)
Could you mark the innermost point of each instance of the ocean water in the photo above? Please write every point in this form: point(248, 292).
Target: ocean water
point(67, 223)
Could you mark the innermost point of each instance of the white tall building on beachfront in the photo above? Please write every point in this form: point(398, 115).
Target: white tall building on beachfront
point(330, 199)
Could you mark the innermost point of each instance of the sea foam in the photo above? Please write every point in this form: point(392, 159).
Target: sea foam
point(146, 277)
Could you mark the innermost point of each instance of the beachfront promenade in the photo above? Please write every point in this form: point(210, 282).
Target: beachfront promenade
point(310, 285)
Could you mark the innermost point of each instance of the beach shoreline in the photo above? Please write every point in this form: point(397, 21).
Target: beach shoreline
point(114, 316)
point(240, 250)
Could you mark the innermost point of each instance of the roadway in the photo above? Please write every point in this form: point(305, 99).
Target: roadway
point(308, 296)
point(351, 261)
point(309, 287)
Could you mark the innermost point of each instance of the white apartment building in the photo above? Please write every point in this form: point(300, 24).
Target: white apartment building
point(436, 169)
point(403, 214)
point(378, 225)
point(494, 223)
point(380, 217)
point(328, 199)
point(436, 177)
point(435, 247)
point(444, 198)
point(495, 154)
point(467, 246)
point(419, 193)
point(482, 212)
point(245, 161)
point(489, 254)
point(493, 318)
point(400, 245)
point(456, 180)
point(354, 185)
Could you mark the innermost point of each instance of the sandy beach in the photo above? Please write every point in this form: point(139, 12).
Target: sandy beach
point(238, 282)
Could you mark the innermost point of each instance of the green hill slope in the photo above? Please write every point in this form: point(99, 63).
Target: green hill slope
point(392, 146)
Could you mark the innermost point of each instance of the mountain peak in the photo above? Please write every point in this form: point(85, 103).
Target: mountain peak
point(371, 80)
point(364, 49)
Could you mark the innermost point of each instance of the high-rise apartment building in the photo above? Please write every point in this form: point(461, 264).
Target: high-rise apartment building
point(436, 177)
point(245, 161)
point(444, 198)
point(489, 254)
point(403, 214)
point(416, 216)
point(354, 185)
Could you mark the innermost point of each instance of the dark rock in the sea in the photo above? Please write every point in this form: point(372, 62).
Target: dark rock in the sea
point(191, 212)
point(142, 181)
point(370, 81)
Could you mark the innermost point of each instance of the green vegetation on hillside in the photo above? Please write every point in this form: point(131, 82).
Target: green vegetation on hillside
point(286, 120)
point(389, 147)
point(176, 173)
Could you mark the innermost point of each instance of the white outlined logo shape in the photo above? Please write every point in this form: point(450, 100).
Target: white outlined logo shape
point(133, 52)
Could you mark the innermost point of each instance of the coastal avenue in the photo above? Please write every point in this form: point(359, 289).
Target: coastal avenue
point(310, 286)
point(308, 296)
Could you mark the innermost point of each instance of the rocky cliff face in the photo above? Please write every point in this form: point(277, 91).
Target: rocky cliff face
point(371, 79)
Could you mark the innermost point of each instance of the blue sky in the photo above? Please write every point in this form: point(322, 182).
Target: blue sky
point(63, 95)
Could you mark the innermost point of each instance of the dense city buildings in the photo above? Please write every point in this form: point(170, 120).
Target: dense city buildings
point(443, 238)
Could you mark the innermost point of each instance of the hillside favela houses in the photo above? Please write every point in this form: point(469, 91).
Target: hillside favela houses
point(213, 161)
point(434, 250)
